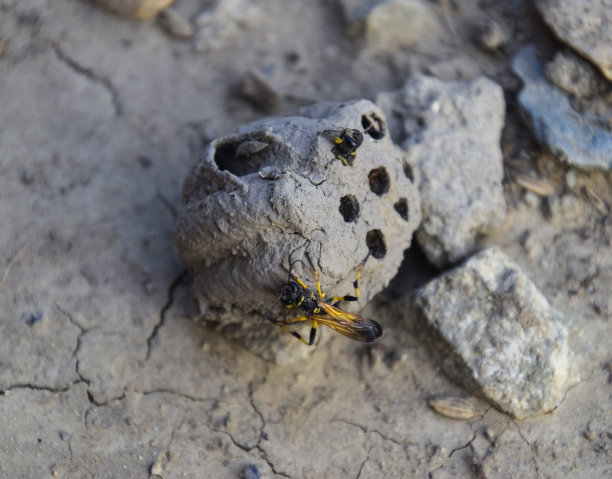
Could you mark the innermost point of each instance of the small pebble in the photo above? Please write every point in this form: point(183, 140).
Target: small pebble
point(493, 36)
point(258, 90)
point(588, 433)
point(34, 318)
point(145, 161)
point(250, 472)
point(270, 173)
point(532, 200)
point(175, 24)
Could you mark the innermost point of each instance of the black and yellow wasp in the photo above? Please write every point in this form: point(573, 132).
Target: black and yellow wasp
point(346, 141)
point(295, 293)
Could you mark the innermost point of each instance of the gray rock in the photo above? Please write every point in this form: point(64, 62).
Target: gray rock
point(388, 24)
point(257, 88)
point(246, 216)
point(575, 76)
point(227, 20)
point(582, 140)
point(586, 25)
point(451, 131)
point(498, 336)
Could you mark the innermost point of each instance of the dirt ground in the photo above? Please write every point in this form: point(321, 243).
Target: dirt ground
point(104, 374)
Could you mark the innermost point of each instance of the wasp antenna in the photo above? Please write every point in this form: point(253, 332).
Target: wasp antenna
point(291, 263)
point(291, 268)
point(260, 324)
point(318, 259)
point(309, 260)
point(366, 258)
point(305, 245)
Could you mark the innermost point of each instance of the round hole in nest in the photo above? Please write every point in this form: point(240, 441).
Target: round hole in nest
point(243, 157)
point(349, 208)
point(376, 243)
point(408, 172)
point(379, 180)
point(401, 206)
point(373, 125)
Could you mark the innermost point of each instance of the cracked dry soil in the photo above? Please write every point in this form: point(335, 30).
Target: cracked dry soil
point(102, 371)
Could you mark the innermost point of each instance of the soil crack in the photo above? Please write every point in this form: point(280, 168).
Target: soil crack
point(531, 448)
point(162, 313)
point(364, 463)
point(367, 430)
point(175, 393)
point(90, 75)
point(460, 448)
point(77, 347)
point(261, 417)
point(37, 387)
point(258, 446)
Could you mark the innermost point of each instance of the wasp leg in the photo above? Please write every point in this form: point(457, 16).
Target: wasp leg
point(313, 330)
point(299, 281)
point(344, 161)
point(355, 285)
point(321, 293)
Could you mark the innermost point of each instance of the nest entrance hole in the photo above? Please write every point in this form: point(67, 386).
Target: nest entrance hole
point(244, 157)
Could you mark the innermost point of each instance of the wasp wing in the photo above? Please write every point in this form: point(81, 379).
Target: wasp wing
point(331, 133)
point(350, 325)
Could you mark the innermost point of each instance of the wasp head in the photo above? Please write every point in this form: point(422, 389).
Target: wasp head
point(353, 138)
point(290, 294)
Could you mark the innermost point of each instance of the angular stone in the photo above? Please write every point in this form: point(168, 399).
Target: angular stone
point(258, 90)
point(575, 76)
point(586, 25)
point(582, 140)
point(220, 25)
point(388, 24)
point(451, 131)
point(498, 336)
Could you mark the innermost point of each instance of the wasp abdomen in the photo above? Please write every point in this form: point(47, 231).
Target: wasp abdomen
point(310, 305)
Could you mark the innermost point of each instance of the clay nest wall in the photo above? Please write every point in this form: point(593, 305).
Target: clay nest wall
point(273, 194)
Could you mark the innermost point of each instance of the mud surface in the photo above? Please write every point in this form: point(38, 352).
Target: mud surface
point(103, 373)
